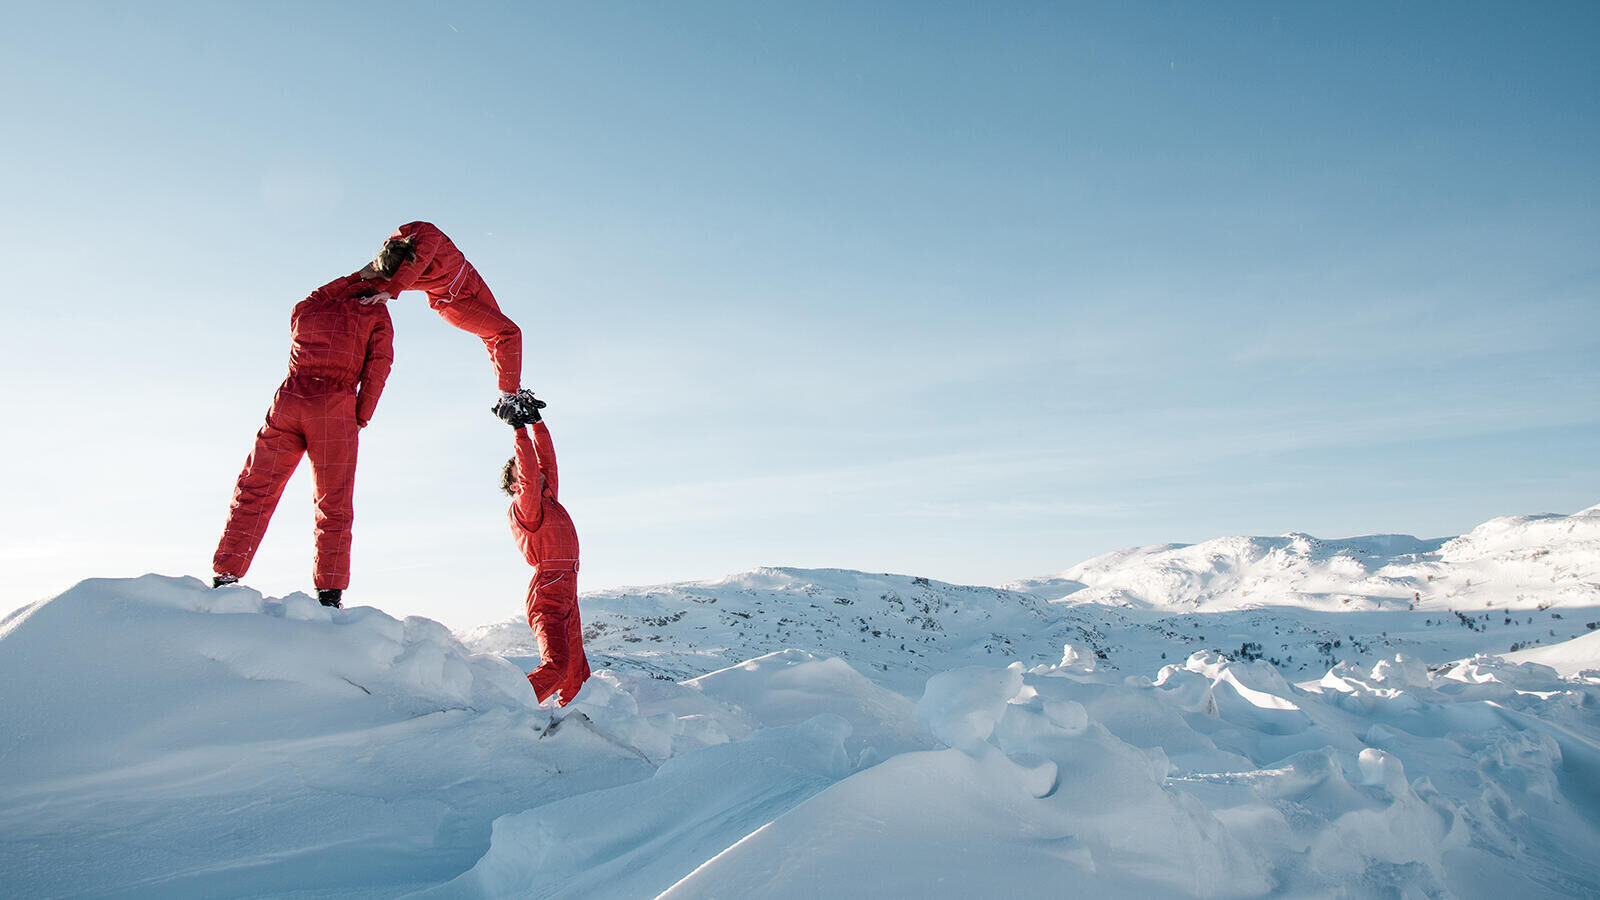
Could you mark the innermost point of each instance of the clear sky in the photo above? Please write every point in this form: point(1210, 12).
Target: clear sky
point(974, 291)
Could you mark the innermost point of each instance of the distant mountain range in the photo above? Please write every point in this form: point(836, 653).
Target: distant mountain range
point(1300, 602)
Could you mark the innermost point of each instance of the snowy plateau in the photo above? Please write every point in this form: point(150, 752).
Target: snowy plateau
point(1378, 716)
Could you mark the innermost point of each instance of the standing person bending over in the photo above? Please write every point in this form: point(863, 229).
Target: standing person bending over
point(548, 540)
point(418, 256)
point(340, 353)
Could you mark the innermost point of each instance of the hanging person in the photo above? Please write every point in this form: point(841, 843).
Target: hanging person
point(549, 542)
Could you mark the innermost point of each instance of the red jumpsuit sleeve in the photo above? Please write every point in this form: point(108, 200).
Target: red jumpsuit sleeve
point(547, 458)
point(375, 371)
point(528, 506)
point(426, 240)
point(337, 289)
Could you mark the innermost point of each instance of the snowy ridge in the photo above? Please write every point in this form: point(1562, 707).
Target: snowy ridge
point(1243, 572)
point(1303, 603)
point(753, 737)
point(898, 628)
point(1516, 562)
point(1523, 562)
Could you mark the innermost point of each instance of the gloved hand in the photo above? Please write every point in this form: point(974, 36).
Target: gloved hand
point(530, 408)
point(519, 409)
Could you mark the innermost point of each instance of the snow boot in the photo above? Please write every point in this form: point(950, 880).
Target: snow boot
point(330, 597)
point(222, 580)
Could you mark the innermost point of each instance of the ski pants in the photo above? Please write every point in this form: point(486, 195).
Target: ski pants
point(478, 313)
point(553, 616)
point(311, 416)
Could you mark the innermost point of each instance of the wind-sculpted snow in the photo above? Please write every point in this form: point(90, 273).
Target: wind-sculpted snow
point(159, 738)
point(1213, 779)
point(631, 841)
point(816, 732)
point(152, 662)
point(792, 687)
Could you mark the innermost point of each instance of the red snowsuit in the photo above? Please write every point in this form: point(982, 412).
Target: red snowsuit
point(548, 540)
point(339, 358)
point(456, 292)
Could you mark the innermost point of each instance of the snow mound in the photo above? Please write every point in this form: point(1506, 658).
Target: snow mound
point(630, 841)
point(173, 659)
point(794, 686)
point(1216, 779)
point(1578, 658)
point(162, 738)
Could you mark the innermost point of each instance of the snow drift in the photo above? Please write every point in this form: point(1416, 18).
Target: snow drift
point(790, 732)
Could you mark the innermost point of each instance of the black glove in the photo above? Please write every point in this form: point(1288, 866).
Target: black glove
point(519, 409)
point(528, 416)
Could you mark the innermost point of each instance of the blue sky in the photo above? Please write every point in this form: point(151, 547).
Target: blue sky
point(970, 291)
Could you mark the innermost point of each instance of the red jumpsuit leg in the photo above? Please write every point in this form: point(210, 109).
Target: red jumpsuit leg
point(279, 446)
point(479, 314)
point(331, 442)
point(552, 602)
point(577, 661)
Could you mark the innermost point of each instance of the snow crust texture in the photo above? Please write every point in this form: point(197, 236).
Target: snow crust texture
point(1153, 724)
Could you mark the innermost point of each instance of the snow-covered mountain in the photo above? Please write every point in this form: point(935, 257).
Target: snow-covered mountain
point(1512, 563)
point(1303, 603)
point(1370, 717)
point(898, 628)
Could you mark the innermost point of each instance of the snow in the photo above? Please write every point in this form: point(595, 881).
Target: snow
point(1245, 717)
point(1579, 657)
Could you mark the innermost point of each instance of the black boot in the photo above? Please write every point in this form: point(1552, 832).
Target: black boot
point(221, 580)
point(330, 597)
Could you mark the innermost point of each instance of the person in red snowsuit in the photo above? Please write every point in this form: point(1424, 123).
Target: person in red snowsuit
point(418, 256)
point(339, 357)
point(548, 540)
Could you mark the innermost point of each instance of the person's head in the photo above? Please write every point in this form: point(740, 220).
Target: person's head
point(394, 253)
point(508, 477)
